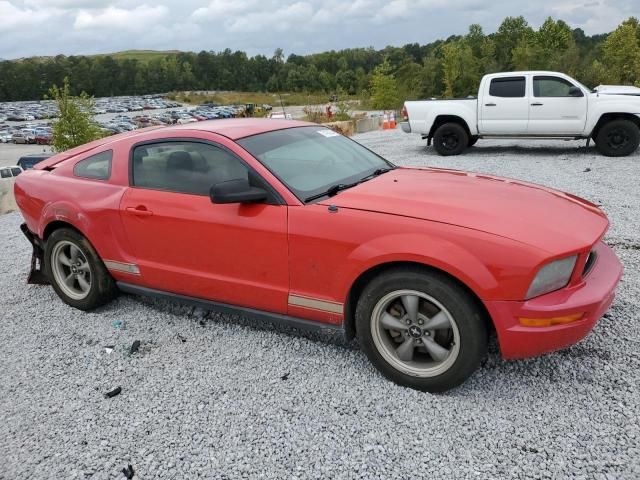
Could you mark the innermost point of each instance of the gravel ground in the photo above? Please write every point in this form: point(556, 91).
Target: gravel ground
point(217, 397)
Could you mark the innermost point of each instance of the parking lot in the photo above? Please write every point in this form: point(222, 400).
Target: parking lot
point(216, 396)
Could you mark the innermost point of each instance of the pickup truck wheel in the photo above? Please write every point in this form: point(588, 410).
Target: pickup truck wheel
point(618, 138)
point(76, 272)
point(420, 329)
point(450, 139)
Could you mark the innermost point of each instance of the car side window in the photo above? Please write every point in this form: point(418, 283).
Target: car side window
point(184, 167)
point(551, 87)
point(508, 87)
point(16, 171)
point(5, 173)
point(96, 167)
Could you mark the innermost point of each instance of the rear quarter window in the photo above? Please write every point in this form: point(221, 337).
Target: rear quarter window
point(508, 87)
point(5, 173)
point(95, 167)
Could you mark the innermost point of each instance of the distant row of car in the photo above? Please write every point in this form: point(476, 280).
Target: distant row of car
point(40, 134)
point(47, 109)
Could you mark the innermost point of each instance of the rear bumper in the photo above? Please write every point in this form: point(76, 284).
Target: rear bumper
point(406, 128)
point(593, 297)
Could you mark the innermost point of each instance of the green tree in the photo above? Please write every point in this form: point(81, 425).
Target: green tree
point(75, 125)
point(621, 52)
point(460, 69)
point(384, 88)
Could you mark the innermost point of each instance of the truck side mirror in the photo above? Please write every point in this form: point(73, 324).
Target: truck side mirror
point(575, 92)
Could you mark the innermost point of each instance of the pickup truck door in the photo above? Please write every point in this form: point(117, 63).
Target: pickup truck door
point(504, 106)
point(557, 107)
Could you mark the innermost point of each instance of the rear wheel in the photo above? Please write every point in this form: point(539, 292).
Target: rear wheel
point(618, 138)
point(76, 272)
point(450, 139)
point(421, 329)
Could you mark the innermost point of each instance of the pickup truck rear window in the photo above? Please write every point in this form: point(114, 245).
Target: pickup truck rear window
point(508, 87)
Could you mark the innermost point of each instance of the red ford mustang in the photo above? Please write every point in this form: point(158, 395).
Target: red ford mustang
point(291, 222)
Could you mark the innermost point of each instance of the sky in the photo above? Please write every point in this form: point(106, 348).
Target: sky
point(73, 27)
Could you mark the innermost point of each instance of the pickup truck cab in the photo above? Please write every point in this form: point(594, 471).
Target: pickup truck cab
point(530, 105)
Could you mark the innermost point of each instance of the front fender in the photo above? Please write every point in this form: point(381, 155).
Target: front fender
point(417, 248)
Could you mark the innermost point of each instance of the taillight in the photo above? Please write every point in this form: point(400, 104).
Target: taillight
point(405, 114)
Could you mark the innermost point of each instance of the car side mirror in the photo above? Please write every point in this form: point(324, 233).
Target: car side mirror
point(236, 191)
point(575, 92)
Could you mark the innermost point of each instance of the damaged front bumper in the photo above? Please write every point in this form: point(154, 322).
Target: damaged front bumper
point(37, 275)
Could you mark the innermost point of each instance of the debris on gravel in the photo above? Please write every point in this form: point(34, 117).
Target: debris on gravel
point(207, 399)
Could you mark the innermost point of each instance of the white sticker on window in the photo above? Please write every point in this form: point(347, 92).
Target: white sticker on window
point(328, 133)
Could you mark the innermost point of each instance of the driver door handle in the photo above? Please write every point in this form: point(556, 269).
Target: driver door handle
point(140, 211)
point(489, 104)
point(537, 104)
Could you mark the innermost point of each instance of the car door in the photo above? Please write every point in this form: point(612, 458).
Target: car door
point(557, 106)
point(504, 106)
point(185, 244)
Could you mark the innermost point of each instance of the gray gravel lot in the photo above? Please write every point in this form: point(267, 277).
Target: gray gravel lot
point(217, 397)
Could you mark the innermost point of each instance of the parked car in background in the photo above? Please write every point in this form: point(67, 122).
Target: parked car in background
point(23, 137)
point(29, 161)
point(10, 172)
point(291, 222)
point(530, 105)
point(44, 138)
point(280, 115)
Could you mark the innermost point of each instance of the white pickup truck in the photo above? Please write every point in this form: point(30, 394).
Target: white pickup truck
point(530, 105)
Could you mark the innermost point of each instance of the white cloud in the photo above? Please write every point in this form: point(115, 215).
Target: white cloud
point(13, 18)
point(49, 27)
point(136, 19)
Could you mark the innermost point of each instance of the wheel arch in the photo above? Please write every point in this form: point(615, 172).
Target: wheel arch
point(611, 116)
point(440, 120)
point(56, 225)
point(365, 277)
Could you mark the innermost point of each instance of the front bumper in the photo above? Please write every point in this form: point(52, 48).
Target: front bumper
point(592, 297)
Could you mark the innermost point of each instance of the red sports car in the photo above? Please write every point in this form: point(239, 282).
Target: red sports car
point(291, 222)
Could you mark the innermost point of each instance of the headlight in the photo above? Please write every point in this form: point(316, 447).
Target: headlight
point(552, 276)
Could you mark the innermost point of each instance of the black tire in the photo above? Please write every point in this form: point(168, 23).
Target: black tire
point(472, 140)
point(102, 286)
point(618, 138)
point(467, 316)
point(450, 139)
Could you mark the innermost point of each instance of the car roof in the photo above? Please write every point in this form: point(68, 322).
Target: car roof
point(232, 128)
point(236, 128)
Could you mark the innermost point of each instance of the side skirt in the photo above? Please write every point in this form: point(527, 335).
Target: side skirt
point(292, 322)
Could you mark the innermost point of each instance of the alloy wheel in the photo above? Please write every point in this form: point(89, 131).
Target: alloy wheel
point(415, 333)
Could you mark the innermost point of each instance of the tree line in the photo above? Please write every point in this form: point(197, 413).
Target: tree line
point(451, 67)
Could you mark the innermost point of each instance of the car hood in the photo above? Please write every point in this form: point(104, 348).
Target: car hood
point(617, 90)
point(553, 221)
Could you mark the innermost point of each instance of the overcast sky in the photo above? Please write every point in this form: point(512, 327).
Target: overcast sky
point(50, 27)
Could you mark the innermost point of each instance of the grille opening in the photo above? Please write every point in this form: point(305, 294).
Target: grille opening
point(591, 259)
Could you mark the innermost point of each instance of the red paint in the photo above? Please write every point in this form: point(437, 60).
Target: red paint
point(490, 233)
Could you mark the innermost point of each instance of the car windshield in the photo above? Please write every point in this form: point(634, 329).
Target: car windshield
point(314, 162)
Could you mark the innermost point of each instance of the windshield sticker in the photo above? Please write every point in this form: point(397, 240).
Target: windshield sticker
point(328, 133)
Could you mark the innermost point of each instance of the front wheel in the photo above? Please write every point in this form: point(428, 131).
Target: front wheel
point(76, 272)
point(421, 329)
point(618, 138)
point(450, 139)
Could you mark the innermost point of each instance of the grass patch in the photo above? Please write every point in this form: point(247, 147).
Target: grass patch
point(140, 55)
point(259, 98)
